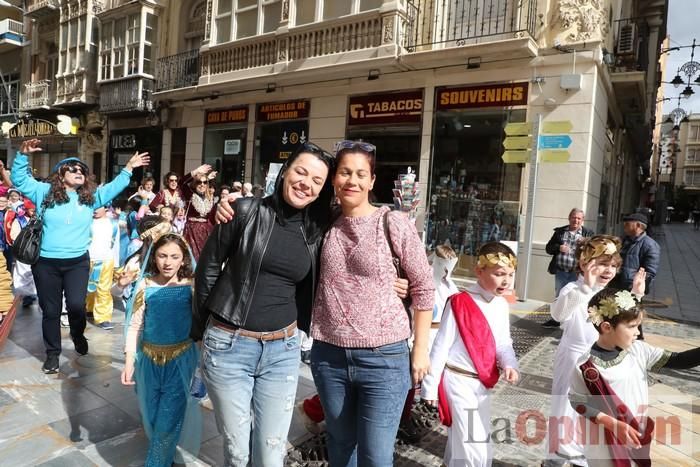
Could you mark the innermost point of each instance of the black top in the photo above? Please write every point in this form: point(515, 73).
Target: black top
point(285, 264)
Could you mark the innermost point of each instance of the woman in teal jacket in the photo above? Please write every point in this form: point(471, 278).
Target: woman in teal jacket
point(67, 202)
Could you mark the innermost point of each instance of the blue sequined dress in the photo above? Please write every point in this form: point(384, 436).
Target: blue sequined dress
point(165, 362)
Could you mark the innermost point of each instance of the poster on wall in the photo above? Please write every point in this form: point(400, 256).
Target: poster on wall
point(232, 147)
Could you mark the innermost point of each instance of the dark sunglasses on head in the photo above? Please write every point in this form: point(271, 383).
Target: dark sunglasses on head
point(315, 149)
point(361, 145)
point(74, 169)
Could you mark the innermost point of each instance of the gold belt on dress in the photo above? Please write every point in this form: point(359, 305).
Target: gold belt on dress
point(162, 354)
point(197, 219)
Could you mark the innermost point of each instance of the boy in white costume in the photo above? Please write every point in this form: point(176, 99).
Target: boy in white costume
point(444, 261)
point(598, 260)
point(609, 386)
point(472, 347)
point(104, 254)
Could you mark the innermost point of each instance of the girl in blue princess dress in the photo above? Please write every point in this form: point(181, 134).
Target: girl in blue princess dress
point(160, 355)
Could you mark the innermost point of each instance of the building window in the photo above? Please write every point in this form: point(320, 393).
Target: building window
point(692, 177)
point(238, 19)
point(309, 11)
point(692, 156)
point(694, 133)
point(120, 45)
point(9, 95)
point(72, 47)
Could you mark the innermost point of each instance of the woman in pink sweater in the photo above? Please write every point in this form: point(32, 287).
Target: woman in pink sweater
point(360, 358)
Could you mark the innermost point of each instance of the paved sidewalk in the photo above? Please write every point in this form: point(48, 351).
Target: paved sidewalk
point(84, 416)
point(677, 283)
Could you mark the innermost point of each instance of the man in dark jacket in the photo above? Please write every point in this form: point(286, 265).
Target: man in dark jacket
point(639, 250)
point(562, 246)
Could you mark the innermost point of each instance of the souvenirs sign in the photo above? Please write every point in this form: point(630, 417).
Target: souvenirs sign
point(404, 107)
point(275, 111)
point(234, 115)
point(493, 95)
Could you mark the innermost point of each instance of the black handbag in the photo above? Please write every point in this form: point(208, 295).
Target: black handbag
point(27, 245)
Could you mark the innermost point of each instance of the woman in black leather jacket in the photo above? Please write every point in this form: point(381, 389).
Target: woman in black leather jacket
point(254, 287)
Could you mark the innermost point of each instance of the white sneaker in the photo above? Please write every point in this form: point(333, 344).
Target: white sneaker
point(64, 320)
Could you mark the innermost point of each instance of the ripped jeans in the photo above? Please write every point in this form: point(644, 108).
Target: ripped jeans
point(251, 379)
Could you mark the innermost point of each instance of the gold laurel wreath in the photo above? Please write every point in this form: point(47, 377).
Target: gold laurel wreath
point(497, 259)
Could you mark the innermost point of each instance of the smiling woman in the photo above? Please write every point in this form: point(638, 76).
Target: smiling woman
point(66, 202)
point(254, 287)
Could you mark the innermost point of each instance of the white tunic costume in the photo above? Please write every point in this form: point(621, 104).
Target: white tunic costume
point(468, 437)
point(627, 376)
point(571, 310)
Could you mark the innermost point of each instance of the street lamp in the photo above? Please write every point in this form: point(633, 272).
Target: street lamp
point(687, 92)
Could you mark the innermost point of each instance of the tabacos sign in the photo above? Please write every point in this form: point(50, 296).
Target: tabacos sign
point(493, 95)
point(399, 107)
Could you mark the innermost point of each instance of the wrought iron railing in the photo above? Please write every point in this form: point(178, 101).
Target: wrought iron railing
point(132, 94)
point(177, 71)
point(449, 23)
point(37, 94)
point(631, 45)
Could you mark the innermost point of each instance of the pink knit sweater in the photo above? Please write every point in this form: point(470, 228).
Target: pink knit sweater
point(356, 305)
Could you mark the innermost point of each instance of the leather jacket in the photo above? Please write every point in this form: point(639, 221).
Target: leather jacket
point(228, 267)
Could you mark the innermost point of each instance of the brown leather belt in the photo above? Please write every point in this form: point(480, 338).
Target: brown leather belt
point(434, 325)
point(261, 336)
point(461, 371)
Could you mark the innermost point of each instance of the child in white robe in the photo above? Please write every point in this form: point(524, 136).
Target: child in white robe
point(464, 377)
point(609, 386)
point(598, 259)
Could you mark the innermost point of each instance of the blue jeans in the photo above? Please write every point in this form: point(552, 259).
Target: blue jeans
point(561, 278)
point(363, 393)
point(244, 377)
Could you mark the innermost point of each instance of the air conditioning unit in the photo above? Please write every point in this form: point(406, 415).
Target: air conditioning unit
point(627, 40)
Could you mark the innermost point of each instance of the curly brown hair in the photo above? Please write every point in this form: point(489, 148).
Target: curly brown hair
point(186, 270)
point(57, 193)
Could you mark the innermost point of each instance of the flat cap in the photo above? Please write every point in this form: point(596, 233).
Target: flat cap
point(636, 217)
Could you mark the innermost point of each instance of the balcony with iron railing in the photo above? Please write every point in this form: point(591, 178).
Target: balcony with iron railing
point(38, 9)
point(131, 94)
point(177, 71)
point(37, 95)
point(436, 24)
point(11, 34)
point(417, 26)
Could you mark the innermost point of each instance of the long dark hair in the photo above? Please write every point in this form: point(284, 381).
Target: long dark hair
point(57, 193)
point(186, 271)
point(317, 215)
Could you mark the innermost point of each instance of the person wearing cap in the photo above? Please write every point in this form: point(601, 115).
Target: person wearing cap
point(639, 250)
point(66, 202)
point(22, 279)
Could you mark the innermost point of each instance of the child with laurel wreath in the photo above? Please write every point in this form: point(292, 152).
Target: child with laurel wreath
point(609, 386)
point(471, 349)
point(598, 261)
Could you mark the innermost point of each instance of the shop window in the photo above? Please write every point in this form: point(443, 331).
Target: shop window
point(398, 147)
point(224, 149)
point(474, 196)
